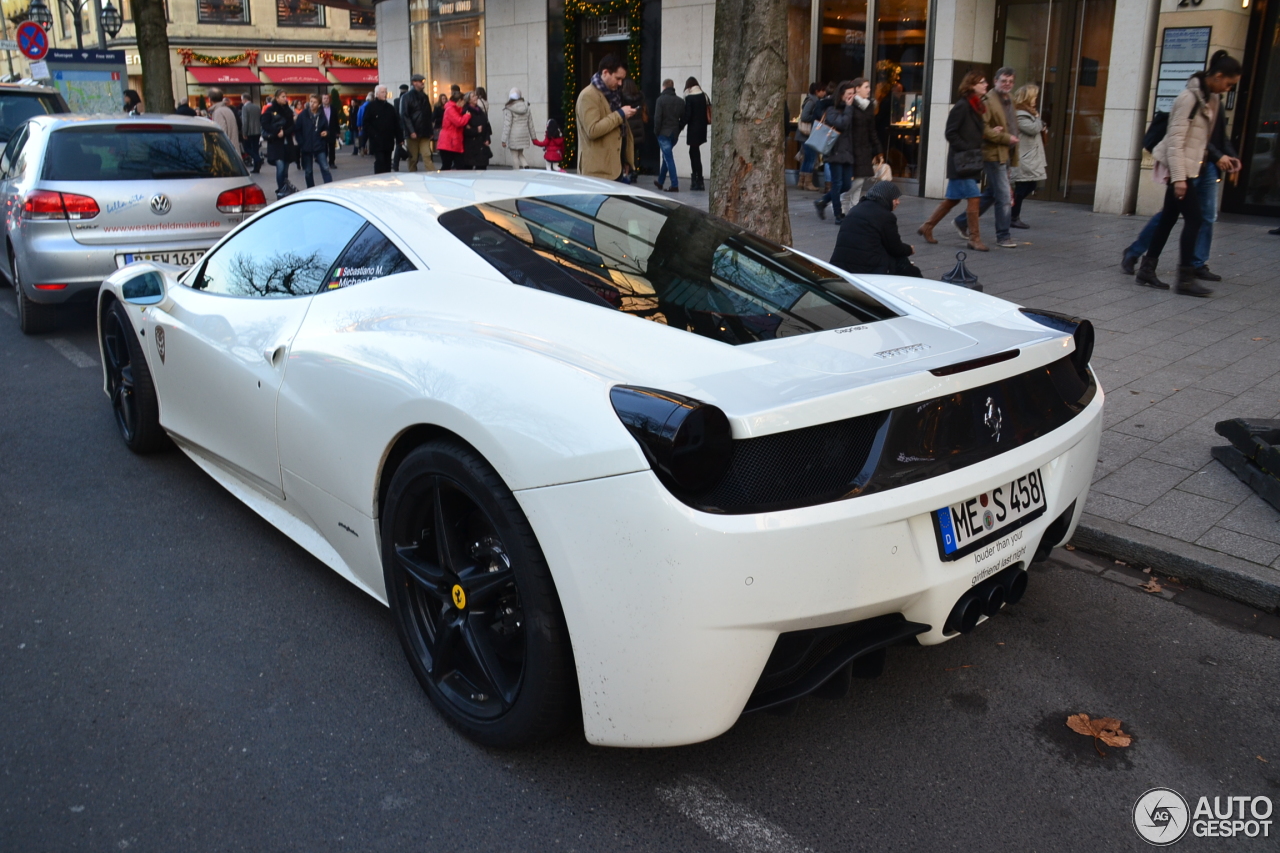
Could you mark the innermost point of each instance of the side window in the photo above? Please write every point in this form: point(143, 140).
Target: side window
point(371, 255)
point(287, 252)
point(12, 152)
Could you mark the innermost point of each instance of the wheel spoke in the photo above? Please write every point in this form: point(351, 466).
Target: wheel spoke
point(483, 586)
point(431, 578)
point(477, 635)
point(443, 647)
point(112, 344)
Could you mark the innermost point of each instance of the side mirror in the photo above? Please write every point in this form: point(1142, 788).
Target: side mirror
point(145, 289)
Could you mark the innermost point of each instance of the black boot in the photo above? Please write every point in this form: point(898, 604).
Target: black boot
point(1205, 274)
point(1147, 274)
point(1127, 263)
point(1187, 284)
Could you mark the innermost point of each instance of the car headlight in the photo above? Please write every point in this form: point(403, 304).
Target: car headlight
point(689, 443)
point(1078, 328)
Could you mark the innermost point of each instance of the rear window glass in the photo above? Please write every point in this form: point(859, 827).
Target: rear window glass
point(139, 153)
point(662, 261)
point(15, 109)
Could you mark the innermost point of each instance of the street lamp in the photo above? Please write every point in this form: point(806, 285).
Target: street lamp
point(40, 14)
point(111, 20)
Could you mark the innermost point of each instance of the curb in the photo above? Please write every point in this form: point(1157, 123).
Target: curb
point(1211, 571)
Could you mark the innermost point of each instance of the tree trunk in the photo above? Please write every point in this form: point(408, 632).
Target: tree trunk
point(748, 140)
point(153, 51)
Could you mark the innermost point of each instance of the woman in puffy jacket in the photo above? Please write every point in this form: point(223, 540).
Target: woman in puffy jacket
point(964, 158)
point(451, 144)
point(1030, 170)
point(277, 127)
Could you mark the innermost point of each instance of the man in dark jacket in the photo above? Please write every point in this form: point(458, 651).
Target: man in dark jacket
point(382, 127)
point(868, 242)
point(668, 121)
point(311, 129)
point(415, 114)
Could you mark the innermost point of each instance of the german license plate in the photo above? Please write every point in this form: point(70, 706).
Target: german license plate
point(181, 259)
point(966, 526)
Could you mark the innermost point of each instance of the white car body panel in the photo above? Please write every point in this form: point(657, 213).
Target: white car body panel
point(669, 635)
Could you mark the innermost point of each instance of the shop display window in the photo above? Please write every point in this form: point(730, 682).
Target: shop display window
point(223, 11)
point(299, 13)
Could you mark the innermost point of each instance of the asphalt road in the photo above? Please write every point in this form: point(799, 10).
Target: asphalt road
point(176, 675)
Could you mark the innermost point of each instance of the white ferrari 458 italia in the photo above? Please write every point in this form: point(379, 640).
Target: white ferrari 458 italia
point(595, 448)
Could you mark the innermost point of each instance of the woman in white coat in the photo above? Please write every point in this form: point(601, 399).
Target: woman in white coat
point(1030, 170)
point(517, 128)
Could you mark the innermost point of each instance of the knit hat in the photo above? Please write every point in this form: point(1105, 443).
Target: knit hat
point(885, 191)
point(514, 95)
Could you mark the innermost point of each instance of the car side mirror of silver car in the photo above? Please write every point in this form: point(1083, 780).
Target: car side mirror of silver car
point(144, 289)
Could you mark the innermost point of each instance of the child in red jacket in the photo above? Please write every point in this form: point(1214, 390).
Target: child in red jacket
point(554, 143)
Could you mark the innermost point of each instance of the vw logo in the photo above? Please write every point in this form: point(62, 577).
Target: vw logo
point(160, 204)
point(994, 418)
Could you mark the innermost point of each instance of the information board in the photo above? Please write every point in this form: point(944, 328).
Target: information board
point(1183, 52)
point(92, 81)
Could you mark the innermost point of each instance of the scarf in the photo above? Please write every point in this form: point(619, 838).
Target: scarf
point(978, 106)
point(862, 102)
point(611, 95)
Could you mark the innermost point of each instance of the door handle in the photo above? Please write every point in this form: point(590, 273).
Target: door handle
point(273, 356)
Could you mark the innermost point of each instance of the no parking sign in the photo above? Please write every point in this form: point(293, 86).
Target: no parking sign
point(33, 41)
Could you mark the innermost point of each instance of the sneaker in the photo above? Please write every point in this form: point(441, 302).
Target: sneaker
point(1205, 274)
point(963, 229)
point(1018, 223)
point(1007, 243)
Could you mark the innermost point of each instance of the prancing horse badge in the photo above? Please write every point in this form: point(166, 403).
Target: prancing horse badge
point(160, 342)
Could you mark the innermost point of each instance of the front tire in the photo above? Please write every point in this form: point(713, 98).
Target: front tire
point(473, 599)
point(133, 395)
point(34, 318)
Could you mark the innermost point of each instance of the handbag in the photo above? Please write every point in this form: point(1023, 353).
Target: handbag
point(708, 111)
point(823, 139)
point(805, 127)
point(967, 162)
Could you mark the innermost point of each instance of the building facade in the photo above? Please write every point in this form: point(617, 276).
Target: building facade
point(1103, 66)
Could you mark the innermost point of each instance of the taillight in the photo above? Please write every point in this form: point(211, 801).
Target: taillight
point(46, 204)
point(242, 200)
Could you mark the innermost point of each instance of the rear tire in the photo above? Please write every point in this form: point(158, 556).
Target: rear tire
point(473, 600)
point(34, 318)
point(133, 395)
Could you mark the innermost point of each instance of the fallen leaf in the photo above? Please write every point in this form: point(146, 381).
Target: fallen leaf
point(1071, 547)
point(1135, 393)
point(1172, 580)
point(1257, 339)
point(999, 644)
point(1263, 760)
point(1147, 570)
point(1105, 729)
point(1151, 586)
point(1121, 563)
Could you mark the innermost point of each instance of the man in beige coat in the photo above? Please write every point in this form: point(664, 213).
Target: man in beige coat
point(999, 155)
point(221, 114)
point(602, 123)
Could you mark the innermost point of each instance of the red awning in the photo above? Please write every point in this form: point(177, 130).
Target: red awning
point(295, 75)
point(230, 74)
point(355, 76)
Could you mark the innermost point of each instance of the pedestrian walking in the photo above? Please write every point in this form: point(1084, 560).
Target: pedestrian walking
point(1220, 158)
point(451, 145)
point(1031, 169)
point(668, 120)
point(964, 134)
point(185, 109)
point(517, 128)
point(697, 121)
point(221, 114)
point(132, 102)
point(804, 127)
point(277, 126)
point(251, 127)
point(311, 130)
point(553, 141)
point(415, 112)
point(382, 130)
point(362, 139)
point(850, 120)
point(868, 242)
point(634, 98)
point(477, 135)
point(999, 155)
point(400, 153)
point(603, 136)
point(1180, 161)
point(867, 153)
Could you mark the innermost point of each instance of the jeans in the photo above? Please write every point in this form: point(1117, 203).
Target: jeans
point(253, 147)
point(810, 158)
point(997, 193)
point(282, 173)
point(320, 159)
point(841, 181)
point(667, 144)
point(1207, 188)
point(1188, 207)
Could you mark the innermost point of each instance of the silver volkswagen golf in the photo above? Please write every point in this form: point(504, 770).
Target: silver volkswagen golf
point(85, 195)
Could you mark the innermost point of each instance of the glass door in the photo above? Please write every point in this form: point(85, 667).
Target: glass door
point(1257, 190)
point(1064, 46)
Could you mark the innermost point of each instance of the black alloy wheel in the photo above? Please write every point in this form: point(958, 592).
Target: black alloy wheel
point(133, 396)
point(473, 600)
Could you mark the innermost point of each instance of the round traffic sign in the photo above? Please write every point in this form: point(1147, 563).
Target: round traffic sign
point(32, 40)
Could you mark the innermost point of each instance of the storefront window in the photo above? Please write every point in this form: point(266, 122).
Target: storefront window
point(1261, 150)
point(448, 43)
point(299, 13)
point(799, 24)
point(362, 20)
point(223, 11)
point(898, 81)
point(843, 51)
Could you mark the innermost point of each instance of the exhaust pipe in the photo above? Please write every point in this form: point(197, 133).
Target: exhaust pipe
point(986, 599)
point(1017, 587)
point(965, 615)
point(993, 599)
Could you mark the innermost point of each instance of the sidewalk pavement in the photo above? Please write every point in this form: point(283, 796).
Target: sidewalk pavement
point(1171, 366)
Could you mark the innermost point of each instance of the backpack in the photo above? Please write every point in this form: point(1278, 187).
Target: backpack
point(1159, 128)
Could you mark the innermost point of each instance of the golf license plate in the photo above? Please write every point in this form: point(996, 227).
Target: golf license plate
point(181, 259)
point(968, 525)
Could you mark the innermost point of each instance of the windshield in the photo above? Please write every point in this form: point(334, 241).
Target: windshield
point(662, 261)
point(16, 108)
point(139, 153)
